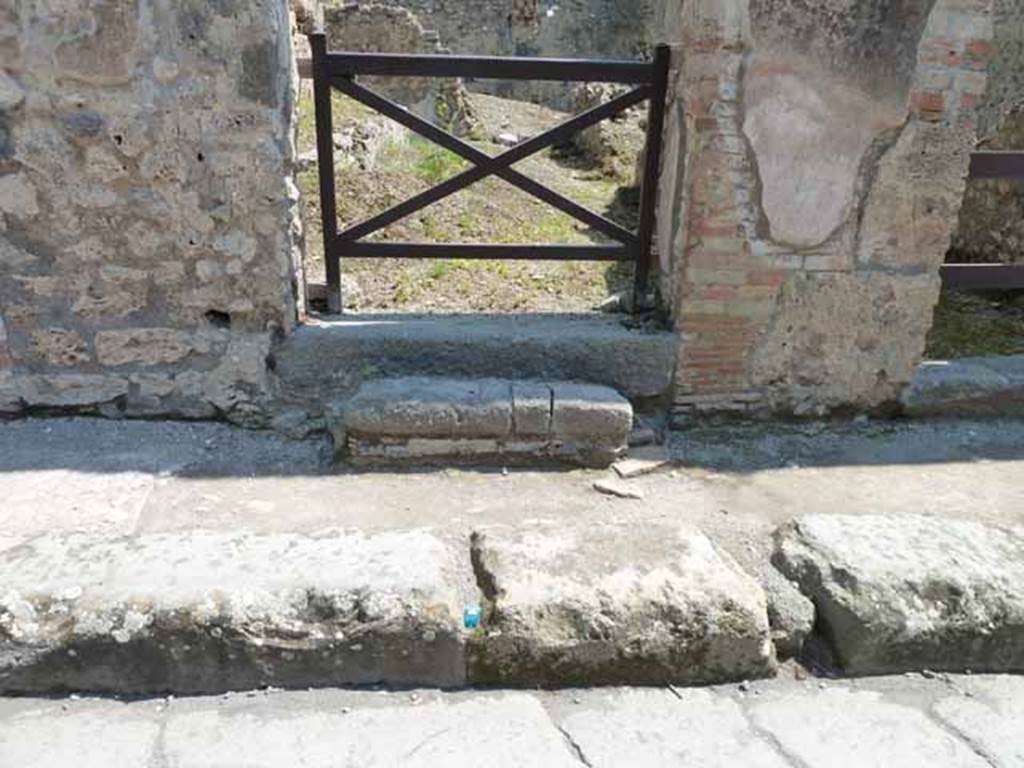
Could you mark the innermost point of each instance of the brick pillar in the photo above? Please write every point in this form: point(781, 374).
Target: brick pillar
point(823, 168)
point(725, 293)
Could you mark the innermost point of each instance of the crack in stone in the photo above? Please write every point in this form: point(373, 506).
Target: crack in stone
point(576, 749)
point(952, 730)
point(485, 580)
point(770, 739)
point(158, 756)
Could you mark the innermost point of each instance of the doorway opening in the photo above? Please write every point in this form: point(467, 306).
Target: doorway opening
point(379, 163)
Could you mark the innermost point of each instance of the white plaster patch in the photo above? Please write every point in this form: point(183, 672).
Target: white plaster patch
point(809, 132)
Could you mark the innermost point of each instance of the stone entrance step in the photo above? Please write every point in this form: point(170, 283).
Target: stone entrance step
point(325, 359)
point(428, 419)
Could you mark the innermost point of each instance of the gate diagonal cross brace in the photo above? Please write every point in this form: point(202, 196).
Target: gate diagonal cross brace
point(485, 165)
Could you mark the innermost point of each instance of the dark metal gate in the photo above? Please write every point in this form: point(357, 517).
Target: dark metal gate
point(338, 70)
point(989, 277)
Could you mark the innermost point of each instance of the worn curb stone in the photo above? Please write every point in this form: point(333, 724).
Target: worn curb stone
point(897, 594)
point(614, 604)
point(206, 613)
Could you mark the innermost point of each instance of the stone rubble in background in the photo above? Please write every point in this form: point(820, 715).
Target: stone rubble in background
point(376, 28)
point(992, 219)
point(616, 145)
point(568, 28)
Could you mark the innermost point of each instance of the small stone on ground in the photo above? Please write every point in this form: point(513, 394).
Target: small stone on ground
point(612, 487)
point(642, 461)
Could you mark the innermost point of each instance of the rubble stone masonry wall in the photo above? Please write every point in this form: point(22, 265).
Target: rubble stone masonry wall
point(816, 167)
point(148, 224)
point(561, 28)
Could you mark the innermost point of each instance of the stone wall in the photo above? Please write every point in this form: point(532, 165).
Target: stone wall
point(566, 28)
point(370, 27)
point(816, 164)
point(148, 223)
point(992, 220)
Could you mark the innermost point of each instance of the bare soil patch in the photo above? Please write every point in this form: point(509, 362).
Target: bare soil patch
point(378, 165)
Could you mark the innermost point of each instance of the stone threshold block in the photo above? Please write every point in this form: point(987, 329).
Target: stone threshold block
point(970, 387)
point(203, 613)
point(900, 594)
point(475, 420)
point(639, 363)
point(614, 604)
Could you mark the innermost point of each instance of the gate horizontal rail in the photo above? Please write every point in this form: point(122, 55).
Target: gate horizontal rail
point(489, 67)
point(989, 277)
point(338, 71)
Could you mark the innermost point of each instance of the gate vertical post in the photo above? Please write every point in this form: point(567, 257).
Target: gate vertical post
point(325, 164)
point(652, 170)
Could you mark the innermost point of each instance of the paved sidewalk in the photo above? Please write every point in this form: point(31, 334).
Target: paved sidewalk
point(207, 559)
point(908, 721)
point(98, 476)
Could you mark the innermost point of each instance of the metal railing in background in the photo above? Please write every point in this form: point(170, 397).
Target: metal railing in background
point(989, 277)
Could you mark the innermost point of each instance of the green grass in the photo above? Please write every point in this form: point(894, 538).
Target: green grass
point(439, 269)
point(969, 325)
point(433, 164)
point(406, 288)
point(548, 227)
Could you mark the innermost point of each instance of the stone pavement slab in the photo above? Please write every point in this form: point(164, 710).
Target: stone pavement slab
point(95, 734)
point(863, 723)
point(659, 728)
point(208, 612)
point(991, 720)
point(614, 604)
point(858, 729)
point(499, 730)
point(912, 592)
